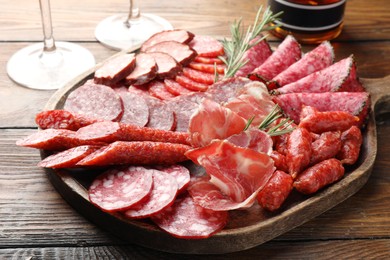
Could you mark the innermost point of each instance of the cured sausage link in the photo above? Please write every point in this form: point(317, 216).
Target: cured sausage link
point(319, 176)
point(298, 151)
point(109, 132)
point(137, 153)
point(352, 140)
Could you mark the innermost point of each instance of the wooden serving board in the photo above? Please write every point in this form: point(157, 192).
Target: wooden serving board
point(246, 228)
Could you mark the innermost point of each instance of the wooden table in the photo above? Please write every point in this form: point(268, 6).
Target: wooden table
point(36, 223)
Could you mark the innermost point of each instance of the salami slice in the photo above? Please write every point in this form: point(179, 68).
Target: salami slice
point(199, 76)
point(355, 103)
point(175, 88)
point(182, 53)
point(115, 70)
point(120, 189)
point(136, 110)
point(137, 153)
point(208, 60)
point(62, 119)
point(339, 77)
point(183, 108)
point(96, 102)
point(177, 35)
point(317, 59)
point(254, 57)
point(158, 90)
point(160, 116)
point(181, 174)
point(208, 68)
point(207, 46)
point(287, 53)
point(167, 66)
point(184, 219)
point(145, 70)
point(68, 158)
point(191, 84)
point(226, 89)
point(161, 196)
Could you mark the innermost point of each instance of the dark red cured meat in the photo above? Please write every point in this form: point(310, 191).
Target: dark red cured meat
point(115, 69)
point(96, 102)
point(208, 68)
point(199, 76)
point(208, 60)
point(62, 119)
point(339, 77)
point(287, 53)
point(276, 191)
point(68, 158)
point(161, 196)
point(207, 46)
point(183, 108)
point(112, 131)
point(190, 84)
point(160, 117)
point(298, 151)
point(317, 59)
point(136, 110)
point(137, 153)
point(54, 139)
point(319, 176)
point(280, 143)
point(167, 66)
point(254, 57)
point(177, 35)
point(226, 89)
point(182, 53)
point(320, 122)
point(181, 174)
point(175, 88)
point(325, 147)
point(184, 219)
point(158, 90)
point(119, 189)
point(352, 140)
point(356, 103)
point(279, 161)
point(145, 70)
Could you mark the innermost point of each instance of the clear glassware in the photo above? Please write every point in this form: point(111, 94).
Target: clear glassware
point(129, 31)
point(50, 64)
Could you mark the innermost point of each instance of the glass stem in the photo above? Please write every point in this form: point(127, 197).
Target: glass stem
point(134, 12)
point(48, 41)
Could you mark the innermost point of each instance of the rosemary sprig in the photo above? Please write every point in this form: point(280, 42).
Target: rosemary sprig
point(240, 42)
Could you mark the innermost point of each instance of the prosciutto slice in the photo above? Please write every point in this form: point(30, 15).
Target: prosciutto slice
point(236, 173)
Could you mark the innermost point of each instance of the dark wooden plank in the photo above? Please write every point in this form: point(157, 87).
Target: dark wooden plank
point(335, 249)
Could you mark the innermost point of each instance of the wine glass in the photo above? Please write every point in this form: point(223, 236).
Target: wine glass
point(129, 31)
point(48, 65)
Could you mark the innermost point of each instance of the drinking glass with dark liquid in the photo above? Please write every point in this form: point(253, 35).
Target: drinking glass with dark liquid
point(309, 21)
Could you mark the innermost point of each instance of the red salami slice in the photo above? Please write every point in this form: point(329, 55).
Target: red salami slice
point(114, 70)
point(190, 84)
point(68, 158)
point(119, 189)
point(319, 58)
point(208, 60)
point(175, 88)
point(184, 219)
point(226, 89)
point(254, 57)
point(136, 111)
point(177, 35)
point(356, 103)
point(96, 102)
point(160, 117)
point(339, 77)
point(207, 46)
point(167, 67)
point(161, 196)
point(62, 119)
point(208, 68)
point(287, 53)
point(181, 174)
point(158, 90)
point(137, 153)
point(145, 70)
point(199, 76)
point(182, 53)
point(183, 109)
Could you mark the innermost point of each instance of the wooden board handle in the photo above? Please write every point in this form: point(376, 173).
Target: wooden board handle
point(380, 94)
